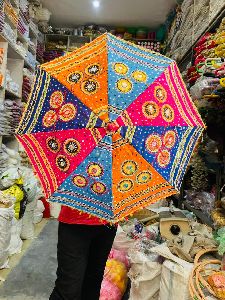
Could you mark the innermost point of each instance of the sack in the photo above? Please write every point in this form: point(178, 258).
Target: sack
point(28, 221)
point(175, 275)
point(174, 281)
point(15, 242)
point(6, 216)
point(145, 275)
point(145, 280)
point(122, 242)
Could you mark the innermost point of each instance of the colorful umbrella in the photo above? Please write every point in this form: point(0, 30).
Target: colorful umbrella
point(110, 128)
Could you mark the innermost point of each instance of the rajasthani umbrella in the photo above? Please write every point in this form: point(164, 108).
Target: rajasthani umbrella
point(109, 128)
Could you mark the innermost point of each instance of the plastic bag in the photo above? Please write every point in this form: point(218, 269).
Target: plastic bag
point(201, 200)
point(109, 291)
point(144, 273)
point(122, 241)
point(15, 242)
point(220, 238)
point(6, 216)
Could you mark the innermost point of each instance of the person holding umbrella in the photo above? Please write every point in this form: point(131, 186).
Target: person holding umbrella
point(110, 128)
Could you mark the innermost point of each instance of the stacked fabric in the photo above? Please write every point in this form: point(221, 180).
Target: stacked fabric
point(52, 54)
point(30, 58)
point(3, 159)
point(27, 84)
point(40, 51)
point(24, 10)
point(21, 49)
point(11, 13)
point(9, 33)
point(11, 86)
point(2, 17)
point(10, 115)
point(191, 20)
point(23, 26)
point(215, 7)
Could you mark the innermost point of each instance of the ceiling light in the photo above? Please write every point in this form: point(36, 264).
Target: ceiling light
point(96, 3)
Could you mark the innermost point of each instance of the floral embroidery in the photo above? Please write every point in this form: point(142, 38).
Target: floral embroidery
point(53, 144)
point(72, 147)
point(163, 158)
point(90, 86)
point(93, 69)
point(150, 110)
point(50, 118)
point(153, 143)
point(62, 163)
point(120, 68)
point(167, 113)
point(98, 188)
point(140, 76)
point(144, 177)
point(160, 93)
point(169, 139)
point(95, 170)
point(75, 77)
point(56, 99)
point(129, 167)
point(67, 112)
point(125, 185)
point(80, 181)
point(124, 85)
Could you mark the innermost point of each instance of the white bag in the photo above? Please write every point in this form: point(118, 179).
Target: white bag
point(15, 242)
point(122, 241)
point(175, 275)
point(6, 216)
point(145, 277)
point(174, 281)
point(28, 221)
point(55, 209)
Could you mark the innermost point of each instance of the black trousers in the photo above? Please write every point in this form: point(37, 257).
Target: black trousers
point(82, 254)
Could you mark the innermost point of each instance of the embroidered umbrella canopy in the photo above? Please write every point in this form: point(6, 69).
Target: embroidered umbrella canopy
point(109, 128)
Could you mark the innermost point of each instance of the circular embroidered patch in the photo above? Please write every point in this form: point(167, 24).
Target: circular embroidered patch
point(95, 170)
point(72, 147)
point(49, 118)
point(90, 86)
point(93, 69)
point(53, 144)
point(124, 85)
point(150, 110)
point(120, 68)
point(163, 158)
point(144, 177)
point(56, 99)
point(98, 188)
point(167, 113)
point(62, 163)
point(129, 167)
point(80, 181)
point(75, 77)
point(169, 139)
point(67, 112)
point(160, 93)
point(139, 76)
point(125, 185)
point(153, 143)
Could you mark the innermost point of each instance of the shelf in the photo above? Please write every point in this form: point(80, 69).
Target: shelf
point(201, 215)
point(212, 26)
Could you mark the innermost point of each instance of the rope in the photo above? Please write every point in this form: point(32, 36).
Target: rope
point(197, 281)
